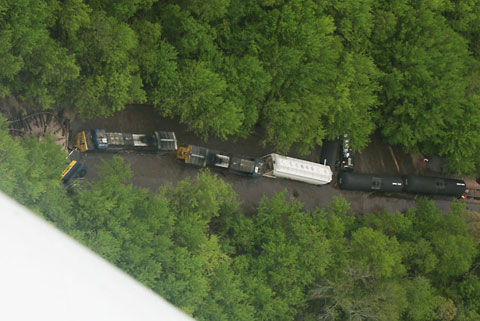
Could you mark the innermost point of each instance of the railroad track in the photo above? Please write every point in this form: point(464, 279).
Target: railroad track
point(40, 124)
point(472, 194)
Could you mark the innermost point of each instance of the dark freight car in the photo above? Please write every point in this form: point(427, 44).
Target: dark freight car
point(252, 166)
point(203, 157)
point(370, 182)
point(434, 185)
point(329, 153)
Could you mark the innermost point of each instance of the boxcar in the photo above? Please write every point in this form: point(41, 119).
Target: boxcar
point(296, 169)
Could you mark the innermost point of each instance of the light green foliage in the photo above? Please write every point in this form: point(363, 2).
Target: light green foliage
point(196, 204)
point(276, 64)
point(55, 54)
point(315, 84)
point(10, 64)
point(421, 257)
point(425, 217)
point(396, 266)
point(227, 300)
point(284, 120)
point(356, 83)
point(361, 283)
point(461, 139)
point(13, 162)
point(446, 309)
point(468, 316)
point(441, 245)
point(45, 164)
point(376, 253)
point(422, 301)
point(344, 297)
point(216, 291)
point(472, 219)
point(455, 253)
point(391, 224)
point(49, 75)
point(278, 253)
point(192, 245)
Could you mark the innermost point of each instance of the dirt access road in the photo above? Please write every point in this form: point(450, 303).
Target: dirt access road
point(153, 171)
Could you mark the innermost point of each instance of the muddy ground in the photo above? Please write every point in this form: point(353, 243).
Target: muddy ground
point(153, 171)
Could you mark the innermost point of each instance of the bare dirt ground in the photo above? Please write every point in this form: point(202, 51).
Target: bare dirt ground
point(381, 158)
point(153, 171)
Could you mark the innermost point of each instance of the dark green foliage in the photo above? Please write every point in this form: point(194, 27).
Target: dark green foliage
point(464, 17)
point(395, 267)
point(201, 94)
point(469, 289)
point(421, 300)
point(157, 62)
point(109, 76)
point(201, 103)
point(33, 66)
point(426, 66)
point(121, 10)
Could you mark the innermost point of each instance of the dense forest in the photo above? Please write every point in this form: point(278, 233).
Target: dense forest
point(192, 244)
point(303, 70)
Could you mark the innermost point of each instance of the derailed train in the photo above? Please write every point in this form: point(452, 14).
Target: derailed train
point(272, 165)
point(408, 184)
